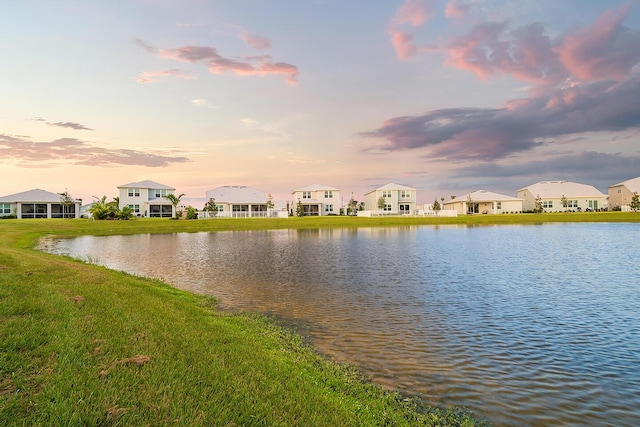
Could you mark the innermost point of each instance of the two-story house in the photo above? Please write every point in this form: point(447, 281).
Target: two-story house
point(147, 198)
point(620, 194)
point(317, 200)
point(398, 199)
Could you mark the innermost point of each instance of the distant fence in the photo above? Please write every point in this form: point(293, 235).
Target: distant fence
point(372, 213)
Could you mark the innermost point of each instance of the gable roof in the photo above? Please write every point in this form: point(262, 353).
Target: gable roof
point(632, 185)
point(557, 189)
point(316, 187)
point(146, 184)
point(33, 196)
point(237, 194)
point(392, 186)
point(482, 196)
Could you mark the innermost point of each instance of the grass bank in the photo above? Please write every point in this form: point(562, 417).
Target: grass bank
point(84, 345)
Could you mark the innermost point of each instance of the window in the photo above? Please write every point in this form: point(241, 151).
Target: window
point(328, 208)
point(386, 194)
point(135, 209)
point(220, 208)
point(405, 194)
point(33, 210)
point(572, 203)
point(547, 204)
point(5, 208)
point(619, 190)
point(498, 205)
point(387, 208)
point(306, 194)
point(134, 192)
point(328, 194)
point(160, 193)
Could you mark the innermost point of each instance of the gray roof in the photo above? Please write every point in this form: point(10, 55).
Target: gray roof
point(557, 189)
point(316, 187)
point(146, 184)
point(237, 194)
point(33, 196)
point(632, 185)
point(482, 196)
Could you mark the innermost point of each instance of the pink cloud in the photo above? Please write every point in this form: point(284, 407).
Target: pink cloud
point(525, 53)
point(403, 44)
point(414, 12)
point(149, 76)
point(27, 153)
point(604, 50)
point(218, 64)
point(258, 42)
point(456, 9)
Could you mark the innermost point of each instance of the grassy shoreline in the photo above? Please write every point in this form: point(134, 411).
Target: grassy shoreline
point(84, 345)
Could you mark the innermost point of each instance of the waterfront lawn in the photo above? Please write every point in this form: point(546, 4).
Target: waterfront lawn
point(84, 345)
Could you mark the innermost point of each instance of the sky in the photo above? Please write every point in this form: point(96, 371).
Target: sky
point(446, 96)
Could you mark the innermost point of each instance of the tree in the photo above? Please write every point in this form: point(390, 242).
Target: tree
point(382, 202)
point(66, 201)
point(300, 209)
point(211, 207)
point(125, 213)
point(352, 206)
point(192, 213)
point(635, 202)
point(175, 201)
point(269, 204)
point(99, 209)
point(538, 205)
point(436, 206)
point(564, 202)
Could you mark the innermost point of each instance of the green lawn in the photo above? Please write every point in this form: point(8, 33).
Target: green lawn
point(84, 345)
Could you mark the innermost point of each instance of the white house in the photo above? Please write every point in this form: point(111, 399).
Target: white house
point(239, 201)
point(579, 197)
point(147, 198)
point(620, 194)
point(317, 200)
point(398, 199)
point(39, 204)
point(482, 201)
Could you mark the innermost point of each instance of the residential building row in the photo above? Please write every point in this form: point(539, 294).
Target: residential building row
point(149, 199)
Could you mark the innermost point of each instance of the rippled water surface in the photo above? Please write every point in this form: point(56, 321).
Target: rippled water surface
point(527, 325)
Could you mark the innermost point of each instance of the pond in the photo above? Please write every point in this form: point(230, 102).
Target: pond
point(526, 325)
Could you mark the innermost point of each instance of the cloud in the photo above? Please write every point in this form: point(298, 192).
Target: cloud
point(258, 42)
point(200, 102)
point(413, 13)
point(70, 125)
point(28, 153)
point(494, 133)
point(150, 76)
point(602, 51)
point(218, 64)
point(456, 9)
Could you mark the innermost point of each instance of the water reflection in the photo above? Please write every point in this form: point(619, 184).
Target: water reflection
point(531, 325)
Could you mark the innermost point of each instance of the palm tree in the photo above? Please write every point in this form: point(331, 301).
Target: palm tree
point(175, 201)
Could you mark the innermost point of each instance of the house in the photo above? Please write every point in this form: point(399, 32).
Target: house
point(482, 201)
point(620, 194)
point(147, 198)
point(39, 204)
point(317, 200)
point(553, 194)
point(239, 201)
point(398, 199)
